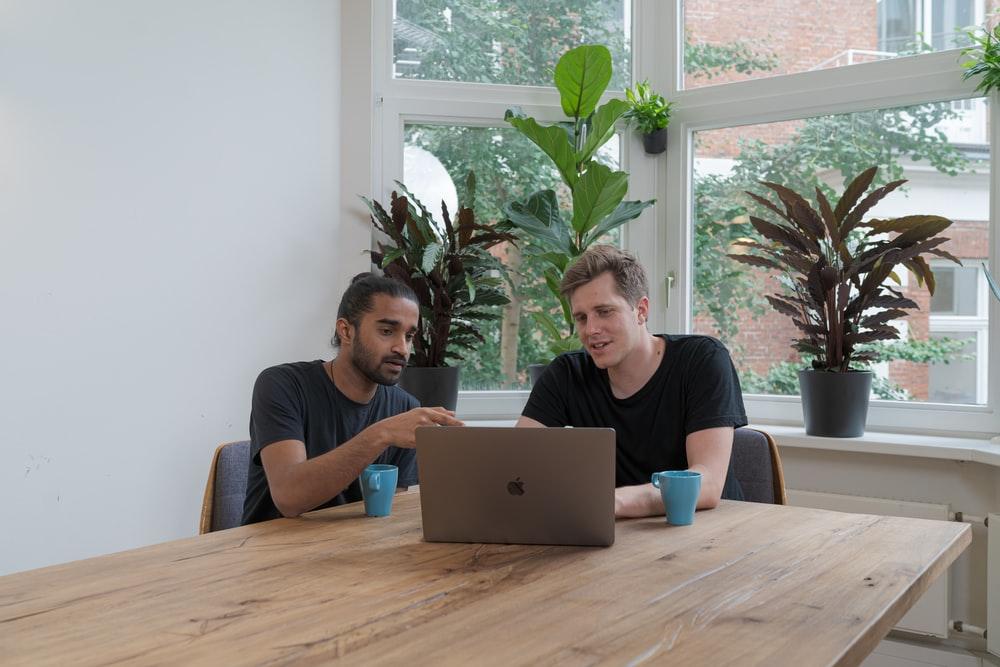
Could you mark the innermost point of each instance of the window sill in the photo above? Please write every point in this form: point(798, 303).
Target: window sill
point(892, 444)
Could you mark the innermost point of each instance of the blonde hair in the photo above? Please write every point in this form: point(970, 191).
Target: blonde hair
point(630, 277)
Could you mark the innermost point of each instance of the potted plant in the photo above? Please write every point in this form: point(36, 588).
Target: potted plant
point(835, 268)
point(651, 114)
point(560, 234)
point(983, 58)
point(456, 279)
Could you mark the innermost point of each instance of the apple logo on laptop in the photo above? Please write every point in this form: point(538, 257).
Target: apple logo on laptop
point(515, 488)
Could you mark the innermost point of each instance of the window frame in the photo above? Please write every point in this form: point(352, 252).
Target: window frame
point(662, 237)
point(931, 77)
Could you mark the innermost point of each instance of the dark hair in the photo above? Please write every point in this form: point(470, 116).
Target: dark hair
point(357, 298)
point(630, 277)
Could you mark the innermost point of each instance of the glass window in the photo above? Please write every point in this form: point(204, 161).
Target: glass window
point(733, 41)
point(436, 160)
point(945, 178)
point(512, 42)
point(956, 381)
point(957, 290)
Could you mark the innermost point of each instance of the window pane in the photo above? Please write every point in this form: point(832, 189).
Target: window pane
point(436, 160)
point(512, 42)
point(731, 40)
point(955, 382)
point(957, 290)
point(946, 176)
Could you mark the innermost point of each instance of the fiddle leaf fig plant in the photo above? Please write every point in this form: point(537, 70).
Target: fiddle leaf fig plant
point(456, 279)
point(560, 233)
point(835, 266)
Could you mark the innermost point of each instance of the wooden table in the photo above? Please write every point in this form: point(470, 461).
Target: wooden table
point(746, 584)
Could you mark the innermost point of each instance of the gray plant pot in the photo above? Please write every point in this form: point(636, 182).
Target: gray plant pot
point(835, 405)
point(433, 387)
point(655, 142)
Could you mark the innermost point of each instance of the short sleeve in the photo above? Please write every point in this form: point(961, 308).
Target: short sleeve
point(277, 411)
point(546, 403)
point(713, 395)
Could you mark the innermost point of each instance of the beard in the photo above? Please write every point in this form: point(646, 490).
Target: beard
point(371, 366)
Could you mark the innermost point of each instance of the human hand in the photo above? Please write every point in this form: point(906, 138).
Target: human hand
point(400, 430)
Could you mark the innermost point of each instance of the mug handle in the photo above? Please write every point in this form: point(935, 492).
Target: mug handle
point(374, 482)
point(656, 480)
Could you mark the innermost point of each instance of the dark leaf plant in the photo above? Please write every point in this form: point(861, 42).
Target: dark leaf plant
point(837, 267)
point(457, 280)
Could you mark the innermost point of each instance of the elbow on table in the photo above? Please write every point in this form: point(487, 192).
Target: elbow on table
point(288, 507)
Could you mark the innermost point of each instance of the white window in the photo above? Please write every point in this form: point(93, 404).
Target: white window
point(752, 83)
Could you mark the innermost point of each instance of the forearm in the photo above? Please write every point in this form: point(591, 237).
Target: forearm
point(310, 483)
point(711, 487)
point(636, 501)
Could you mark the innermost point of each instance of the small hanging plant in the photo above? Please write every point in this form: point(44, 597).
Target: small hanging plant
point(983, 58)
point(650, 113)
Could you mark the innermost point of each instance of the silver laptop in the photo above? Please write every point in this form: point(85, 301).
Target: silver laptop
point(517, 485)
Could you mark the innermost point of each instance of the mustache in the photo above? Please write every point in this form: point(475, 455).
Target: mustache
point(394, 360)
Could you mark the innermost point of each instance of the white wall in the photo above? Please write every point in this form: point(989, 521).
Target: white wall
point(169, 225)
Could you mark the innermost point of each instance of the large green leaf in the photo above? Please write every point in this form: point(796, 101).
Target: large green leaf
point(596, 195)
point(602, 128)
point(627, 210)
point(432, 255)
point(551, 139)
point(539, 216)
point(582, 75)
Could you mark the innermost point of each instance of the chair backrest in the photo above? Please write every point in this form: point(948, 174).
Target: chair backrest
point(222, 506)
point(757, 467)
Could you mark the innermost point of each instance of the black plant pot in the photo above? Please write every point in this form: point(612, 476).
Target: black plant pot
point(535, 371)
point(655, 142)
point(835, 405)
point(433, 387)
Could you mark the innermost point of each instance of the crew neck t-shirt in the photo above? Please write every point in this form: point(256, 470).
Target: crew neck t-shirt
point(299, 401)
point(695, 387)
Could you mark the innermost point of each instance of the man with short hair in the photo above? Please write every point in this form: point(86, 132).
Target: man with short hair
point(672, 400)
point(316, 425)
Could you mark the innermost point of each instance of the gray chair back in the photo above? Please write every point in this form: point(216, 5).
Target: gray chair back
point(232, 462)
point(757, 468)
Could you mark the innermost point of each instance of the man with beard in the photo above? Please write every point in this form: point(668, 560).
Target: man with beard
point(316, 425)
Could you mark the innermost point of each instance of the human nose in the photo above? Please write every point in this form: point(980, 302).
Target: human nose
point(401, 346)
point(590, 327)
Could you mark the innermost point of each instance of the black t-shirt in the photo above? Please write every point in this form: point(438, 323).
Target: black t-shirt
point(298, 401)
point(695, 387)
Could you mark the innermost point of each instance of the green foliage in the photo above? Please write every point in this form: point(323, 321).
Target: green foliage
point(597, 192)
point(983, 59)
point(512, 42)
point(930, 351)
point(457, 281)
point(836, 273)
point(782, 378)
point(710, 60)
point(648, 110)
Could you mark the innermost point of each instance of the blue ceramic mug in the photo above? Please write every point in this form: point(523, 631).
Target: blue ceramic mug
point(378, 487)
point(680, 489)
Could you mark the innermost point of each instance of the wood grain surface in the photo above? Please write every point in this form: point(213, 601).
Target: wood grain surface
point(747, 584)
